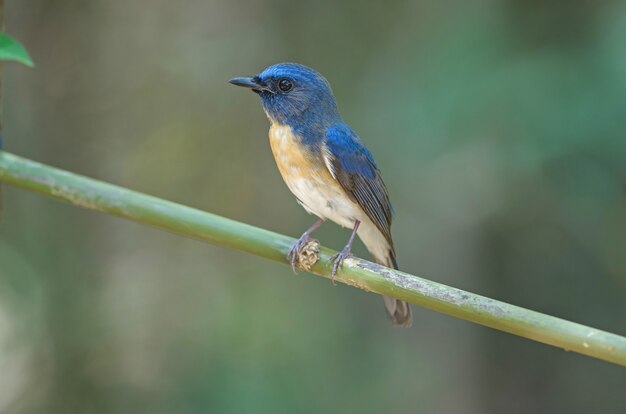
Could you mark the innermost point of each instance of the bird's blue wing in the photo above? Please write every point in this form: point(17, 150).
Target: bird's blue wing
point(353, 166)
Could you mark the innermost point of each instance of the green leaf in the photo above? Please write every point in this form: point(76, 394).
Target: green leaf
point(11, 49)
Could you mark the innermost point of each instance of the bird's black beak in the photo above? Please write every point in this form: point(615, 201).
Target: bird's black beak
point(251, 83)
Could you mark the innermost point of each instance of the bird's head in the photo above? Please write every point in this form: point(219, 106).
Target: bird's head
point(292, 93)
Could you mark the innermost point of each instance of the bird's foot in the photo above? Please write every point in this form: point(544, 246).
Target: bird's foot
point(304, 253)
point(337, 261)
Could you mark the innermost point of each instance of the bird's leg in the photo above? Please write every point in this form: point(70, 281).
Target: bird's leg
point(346, 252)
point(294, 253)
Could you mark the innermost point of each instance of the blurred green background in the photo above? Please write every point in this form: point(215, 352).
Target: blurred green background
point(500, 128)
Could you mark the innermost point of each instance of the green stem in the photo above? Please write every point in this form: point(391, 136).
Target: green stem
point(96, 195)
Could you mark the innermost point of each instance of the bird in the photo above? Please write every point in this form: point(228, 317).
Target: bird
point(326, 166)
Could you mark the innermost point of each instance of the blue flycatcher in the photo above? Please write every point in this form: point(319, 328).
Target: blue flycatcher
point(326, 166)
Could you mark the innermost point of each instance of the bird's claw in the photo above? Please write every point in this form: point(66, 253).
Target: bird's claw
point(337, 261)
point(304, 253)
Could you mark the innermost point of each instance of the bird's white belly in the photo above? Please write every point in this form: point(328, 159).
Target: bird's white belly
point(325, 201)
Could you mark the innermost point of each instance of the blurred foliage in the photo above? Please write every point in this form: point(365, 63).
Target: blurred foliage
point(499, 128)
point(11, 49)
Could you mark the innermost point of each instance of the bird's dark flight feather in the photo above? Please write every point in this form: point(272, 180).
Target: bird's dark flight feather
point(354, 168)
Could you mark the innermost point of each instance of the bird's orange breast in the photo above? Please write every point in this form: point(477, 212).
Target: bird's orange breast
point(294, 161)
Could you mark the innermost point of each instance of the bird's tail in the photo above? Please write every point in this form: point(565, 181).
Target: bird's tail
point(398, 311)
point(381, 249)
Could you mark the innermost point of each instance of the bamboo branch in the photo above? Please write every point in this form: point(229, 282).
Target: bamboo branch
point(96, 195)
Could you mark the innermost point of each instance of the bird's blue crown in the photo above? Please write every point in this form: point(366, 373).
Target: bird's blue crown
point(298, 96)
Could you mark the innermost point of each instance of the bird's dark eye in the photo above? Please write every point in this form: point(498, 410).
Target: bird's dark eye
point(285, 85)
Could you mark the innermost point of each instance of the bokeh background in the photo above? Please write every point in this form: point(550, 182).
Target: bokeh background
point(500, 128)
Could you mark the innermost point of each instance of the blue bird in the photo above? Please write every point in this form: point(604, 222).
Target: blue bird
point(326, 166)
